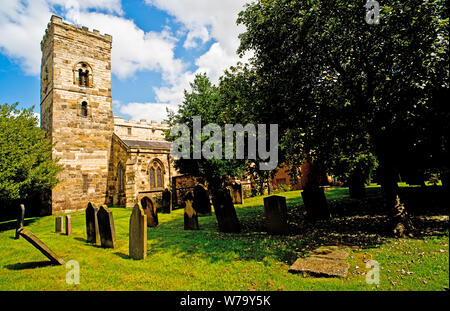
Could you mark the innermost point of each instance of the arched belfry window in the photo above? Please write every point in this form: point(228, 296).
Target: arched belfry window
point(84, 109)
point(82, 75)
point(156, 174)
point(121, 178)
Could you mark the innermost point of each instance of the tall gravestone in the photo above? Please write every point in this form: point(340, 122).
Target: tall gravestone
point(190, 214)
point(276, 215)
point(149, 207)
point(68, 225)
point(106, 227)
point(59, 222)
point(225, 213)
point(92, 231)
point(20, 219)
point(138, 233)
point(201, 203)
point(166, 201)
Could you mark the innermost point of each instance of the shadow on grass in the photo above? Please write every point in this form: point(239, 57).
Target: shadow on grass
point(29, 265)
point(11, 224)
point(122, 255)
point(355, 223)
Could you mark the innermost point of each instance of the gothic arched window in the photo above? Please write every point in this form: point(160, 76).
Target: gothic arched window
point(121, 178)
point(156, 175)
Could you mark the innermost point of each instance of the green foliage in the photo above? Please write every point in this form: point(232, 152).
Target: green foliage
point(26, 167)
point(331, 80)
point(205, 101)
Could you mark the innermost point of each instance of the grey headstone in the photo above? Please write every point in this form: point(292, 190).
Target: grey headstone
point(59, 222)
point(190, 215)
point(68, 225)
point(20, 219)
point(92, 231)
point(276, 215)
point(106, 227)
point(30, 237)
point(138, 233)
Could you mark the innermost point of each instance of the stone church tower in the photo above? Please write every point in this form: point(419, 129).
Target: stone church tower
point(76, 111)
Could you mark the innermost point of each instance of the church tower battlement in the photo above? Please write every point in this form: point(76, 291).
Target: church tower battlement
point(76, 111)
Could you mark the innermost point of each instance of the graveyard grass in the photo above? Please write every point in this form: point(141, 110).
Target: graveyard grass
point(209, 260)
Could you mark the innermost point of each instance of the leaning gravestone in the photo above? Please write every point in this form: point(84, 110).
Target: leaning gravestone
point(225, 213)
point(201, 203)
point(93, 234)
point(190, 215)
point(106, 227)
point(30, 237)
point(275, 212)
point(166, 201)
point(150, 210)
point(59, 224)
point(138, 233)
point(68, 225)
point(20, 219)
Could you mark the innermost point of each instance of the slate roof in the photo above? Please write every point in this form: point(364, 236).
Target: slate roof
point(147, 144)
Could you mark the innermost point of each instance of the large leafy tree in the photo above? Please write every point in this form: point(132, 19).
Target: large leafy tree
point(331, 80)
point(26, 166)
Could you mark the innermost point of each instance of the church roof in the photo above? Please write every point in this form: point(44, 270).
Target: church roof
point(147, 144)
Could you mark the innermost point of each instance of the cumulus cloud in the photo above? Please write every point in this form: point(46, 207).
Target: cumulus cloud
point(147, 111)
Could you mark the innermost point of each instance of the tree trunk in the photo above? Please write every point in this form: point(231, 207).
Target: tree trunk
point(400, 222)
point(313, 196)
point(225, 212)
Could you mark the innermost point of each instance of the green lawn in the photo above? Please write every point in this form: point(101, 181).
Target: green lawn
point(208, 260)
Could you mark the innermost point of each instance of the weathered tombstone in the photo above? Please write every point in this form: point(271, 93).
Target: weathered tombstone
point(68, 225)
point(275, 212)
point(31, 238)
point(20, 219)
point(313, 196)
point(225, 212)
point(93, 234)
point(190, 215)
point(236, 193)
point(106, 227)
point(166, 201)
point(138, 233)
point(201, 203)
point(59, 224)
point(149, 207)
point(323, 262)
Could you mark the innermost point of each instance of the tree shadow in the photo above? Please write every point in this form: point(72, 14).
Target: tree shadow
point(11, 224)
point(29, 265)
point(355, 223)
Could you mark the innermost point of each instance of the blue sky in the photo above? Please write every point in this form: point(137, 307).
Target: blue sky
point(158, 47)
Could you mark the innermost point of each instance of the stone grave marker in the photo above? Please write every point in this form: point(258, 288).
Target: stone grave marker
point(150, 210)
point(59, 222)
point(92, 231)
point(20, 219)
point(190, 214)
point(323, 262)
point(106, 227)
point(201, 203)
point(33, 240)
point(275, 212)
point(166, 201)
point(225, 213)
point(68, 225)
point(138, 233)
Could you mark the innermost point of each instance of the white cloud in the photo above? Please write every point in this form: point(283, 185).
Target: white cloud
point(147, 111)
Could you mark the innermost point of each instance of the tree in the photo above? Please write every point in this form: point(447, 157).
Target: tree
point(331, 78)
point(26, 167)
point(204, 101)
